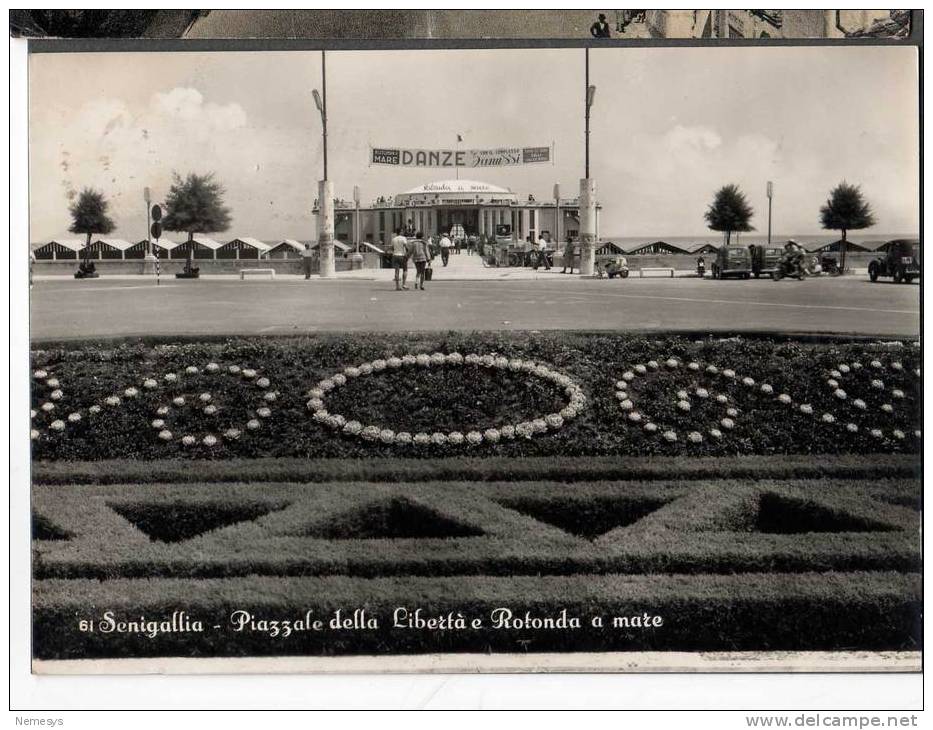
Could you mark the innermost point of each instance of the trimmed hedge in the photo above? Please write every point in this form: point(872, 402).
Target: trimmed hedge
point(809, 611)
point(596, 361)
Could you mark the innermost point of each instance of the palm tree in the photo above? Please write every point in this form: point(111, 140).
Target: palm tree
point(195, 205)
point(89, 216)
point(846, 210)
point(729, 212)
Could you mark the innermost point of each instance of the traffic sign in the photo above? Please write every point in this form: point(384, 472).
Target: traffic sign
point(156, 212)
point(156, 230)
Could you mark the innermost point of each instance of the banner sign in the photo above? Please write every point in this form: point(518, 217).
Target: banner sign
point(499, 157)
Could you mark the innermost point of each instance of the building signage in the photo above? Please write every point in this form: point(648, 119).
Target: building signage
point(499, 157)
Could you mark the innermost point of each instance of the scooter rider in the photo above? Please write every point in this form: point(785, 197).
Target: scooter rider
point(793, 254)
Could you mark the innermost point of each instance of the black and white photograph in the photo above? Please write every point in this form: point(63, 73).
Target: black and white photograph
point(592, 358)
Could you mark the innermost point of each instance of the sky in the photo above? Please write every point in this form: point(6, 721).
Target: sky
point(668, 127)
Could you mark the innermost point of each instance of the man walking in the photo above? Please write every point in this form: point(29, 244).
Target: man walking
point(445, 249)
point(307, 259)
point(568, 255)
point(421, 256)
point(542, 254)
point(400, 259)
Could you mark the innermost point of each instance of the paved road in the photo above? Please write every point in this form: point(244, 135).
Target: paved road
point(75, 309)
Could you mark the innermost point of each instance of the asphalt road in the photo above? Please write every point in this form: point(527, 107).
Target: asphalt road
point(78, 309)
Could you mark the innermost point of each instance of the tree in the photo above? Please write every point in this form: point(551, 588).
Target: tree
point(89, 216)
point(729, 212)
point(195, 205)
point(846, 210)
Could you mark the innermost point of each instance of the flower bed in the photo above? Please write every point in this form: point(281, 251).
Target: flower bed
point(781, 396)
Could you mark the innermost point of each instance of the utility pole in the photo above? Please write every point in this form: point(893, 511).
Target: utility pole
point(325, 188)
point(770, 190)
point(587, 185)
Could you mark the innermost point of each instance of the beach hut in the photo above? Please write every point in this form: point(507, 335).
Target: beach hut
point(162, 249)
point(243, 248)
point(204, 248)
point(109, 248)
point(340, 247)
point(833, 246)
point(67, 249)
point(609, 248)
point(287, 249)
point(701, 248)
point(656, 247)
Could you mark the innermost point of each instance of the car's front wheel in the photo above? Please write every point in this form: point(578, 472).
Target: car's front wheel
point(873, 271)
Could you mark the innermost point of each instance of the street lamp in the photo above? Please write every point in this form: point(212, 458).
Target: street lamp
point(590, 97)
point(322, 108)
point(770, 192)
point(588, 187)
point(325, 219)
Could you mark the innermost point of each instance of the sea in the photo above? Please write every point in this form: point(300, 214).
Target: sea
point(746, 239)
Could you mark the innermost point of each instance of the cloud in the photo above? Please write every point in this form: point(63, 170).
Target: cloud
point(187, 105)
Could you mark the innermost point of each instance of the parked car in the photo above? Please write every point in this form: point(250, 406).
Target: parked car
point(901, 260)
point(732, 261)
point(764, 259)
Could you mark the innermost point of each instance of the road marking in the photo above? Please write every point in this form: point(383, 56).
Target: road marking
point(741, 302)
point(114, 288)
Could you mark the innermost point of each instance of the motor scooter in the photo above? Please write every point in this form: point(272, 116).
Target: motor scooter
point(701, 268)
point(790, 266)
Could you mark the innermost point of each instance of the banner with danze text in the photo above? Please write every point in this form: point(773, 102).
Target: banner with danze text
point(499, 157)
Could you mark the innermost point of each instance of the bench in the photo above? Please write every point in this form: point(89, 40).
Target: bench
point(655, 269)
point(244, 272)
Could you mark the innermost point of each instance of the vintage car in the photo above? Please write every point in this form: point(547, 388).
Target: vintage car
point(764, 259)
point(732, 261)
point(901, 260)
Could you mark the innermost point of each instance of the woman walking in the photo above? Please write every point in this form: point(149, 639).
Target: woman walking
point(568, 255)
point(421, 256)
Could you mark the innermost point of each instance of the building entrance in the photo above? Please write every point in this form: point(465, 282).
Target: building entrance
point(447, 218)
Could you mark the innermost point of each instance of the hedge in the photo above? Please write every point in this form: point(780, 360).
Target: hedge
point(803, 611)
point(471, 397)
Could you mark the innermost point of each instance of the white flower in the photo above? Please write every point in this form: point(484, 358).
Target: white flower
point(653, 364)
point(727, 423)
point(188, 440)
point(835, 374)
point(554, 420)
point(626, 405)
point(455, 358)
point(898, 434)
point(524, 429)
point(149, 384)
point(651, 427)
point(851, 428)
point(621, 395)
point(263, 412)
point(210, 410)
point(539, 425)
point(767, 389)
point(859, 403)
point(876, 364)
point(170, 377)
point(728, 373)
point(785, 398)
point(52, 382)
point(394, 362)
point(33, 434)
point(48, 407)
point(131, 392)
point(671, 362)
point(634, 417)
point(326, 385)
point(917, 433)
point(264, 382)
point(828, 418)
point(270, 396)
point(569, 413)
point(320, 415)
point(440, 439)
point(917, 372)
point(845, 368)
point(425, 360)
point(695, 437)
point(74, 417)
point(897, 365)
point(693, 366)
point(212, 367)
point(876, 432)
point(335, 420)
point(683, 405)
point(423, 439)
point(158, 423)
point(58, 425)
point(712, 369)
point(387, 436)
point(165, 435)
point(403, 438)
point(351, 427)
point(806, 408)
point(492, 435)
point(641, 369)
point(112, 400)
point(179, 401)
point(529, 366)
point(715, 433)
point(855, 366)
point(39, 374)
point(232, 434)
point(366, 369)
point(897, 393)
point(378, 366)
point(191, 370)
point(508, 431)
point(94, 409)
point(732, 412)
point(205, 397)
point(370, 433)
point(350, 371)
point(832, 383)
point(702, 393)
point(249, 373)
point(887, 408)
point(456, 438)
point(722, 398)
point(502, 363)
point(315, 404)
point(56, 395)
point(439, 358)
point(233, 369)
point(32, 413)
point(315, 393)
point(877, 384)
point(209, 440)
point(748, 382)
point(252, 424)
point(628, 375)
point(682, 395)
point(670, 436)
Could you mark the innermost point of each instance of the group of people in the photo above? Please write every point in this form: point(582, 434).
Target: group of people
point(419, 252)
point(539, 249)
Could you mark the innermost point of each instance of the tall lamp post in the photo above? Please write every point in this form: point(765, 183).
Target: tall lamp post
point(325, 219)
point(587, 188)
point(770, 191)
point(149, 260)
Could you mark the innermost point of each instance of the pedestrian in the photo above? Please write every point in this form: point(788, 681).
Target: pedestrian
point(600, 29)
point(307, 259)
point(419, 253)
point(542, 254)
point(400, 259)
point(445, 246)
point(568, 255)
